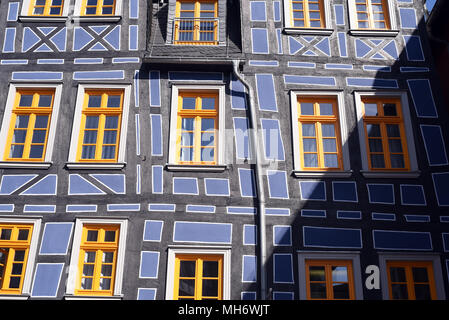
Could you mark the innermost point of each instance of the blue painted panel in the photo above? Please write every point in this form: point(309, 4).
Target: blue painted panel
point(413, 48)
point(324, 46)
point(343, 214)
point(81, 38)
point(377, 68)
point(241, 134)
point(6, 207)
point(133, 9)
point(283, 295)
point(33, 208)
point(81, 208)
point(185, 186)
point(434, 143)
point(155, 89)
point(11, 183)
point(98, 29)
point(339, 15)
point(156, 135)
point(342, 44)
point(238, 96)
point(313, 213)
point(157, 178)
point(422, 98)
point(272, 140)
point(99, 75)
point(413, 69)
point(247, 182)
point(381, 193)
point(202, 232)
point(146, 294)
point(361, 48)
point(277, 184)
point(258, 11)
point(249, 269)
point(133, 37)
point(277, 211)
point(247, 295)
point(113, 37)
point(279, 41)
point(296, 64)
point(408, 18)
point(200, 208)
point(13, 11)
point(59, 39)
point(241, 210)
point(416, 218)
point(195, 76)
point(249, 235)
point(29, 38)
point(43, 48)
point(14, 61)
point(345, 191)
point(276, 11)
point(282, 235)
point(80, 186)
point(294, 45)
point(313, 190)
point(259, 39)
point(332, 237)
point(153, 230)
point(282, 268)
point(149, 264)
point(216, 187)
point(383, 216)
point(56, 237)
point(50, 61)
point(266, 92)
point(114, 182)
point(441, 185)
point(88, 61)
point(46, 280)
point(128, 60)
point(161, 207)
point(444, 219)
point(413, 195)
point(372, 82)
point(338, 66)
point(123, 207)
point(445, 237)
point(402, 240)
point(264, 63)
point(310, 80)
point(36, 75)
point(391, 49)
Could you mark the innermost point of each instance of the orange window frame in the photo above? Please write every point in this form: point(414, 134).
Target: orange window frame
point(32, 112)
point(328, 282)
point(409, 281)
point(47, 8)
point(14, 250)
point(198, 115)
point(102, 112)
point(306, 13)
point(197, 21)
point(99, 248)
point(369, 12)
point(382, 120)
point(98, 8)
point(318, 120)
point(198, 277)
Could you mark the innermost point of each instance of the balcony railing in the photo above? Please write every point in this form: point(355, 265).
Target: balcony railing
point(195, 31)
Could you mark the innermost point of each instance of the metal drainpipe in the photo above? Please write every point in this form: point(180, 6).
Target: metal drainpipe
point(256, 152)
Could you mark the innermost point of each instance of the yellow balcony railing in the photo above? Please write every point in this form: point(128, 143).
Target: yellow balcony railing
point(195, 31)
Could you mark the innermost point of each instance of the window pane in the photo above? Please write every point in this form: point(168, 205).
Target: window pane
point(379, 25)
point(108, 2)
point(94, 101)
point(316, 273)
point(41, 122)
point(375, 145)
point(340, 274)
point(106, 270)
point(208, 103)
point(315, 23)
point(23, 235)
point(393, 130)
point(210, 288)
point(207, 6)
point(187, 6)
point(399, 291)
point(108, 152)
point(186, 154)
point(187, 124)
point(6, 234)
point(207, 139)
point(207, 124)
point(36, 152)
point(422, 292)
point(188, 103)
point(17, 268)
point(56, 2)
point(207, 154)
point(114, 101)
point(111, 122)
point(19, 136)
point(88, 152)
point(341, 290)
point(373, 130)
point(331, 160)
point(90, 137)
point(91, 10)
point(25, 100)
point(318, 290)
point(110, 137)
point(45, 101)
point(19, 255)
point(306, 109)
point(420, 274)
point(92, 122)
point(187, 268)
point(14, 282)
point(39, 136)
point(16, 151)
point(88, 270)
point(89, 256)
point(371, 109)
point(38, 10)
point(86, 283)
point(186, 287)
point(310, 160)
point(22, 122)
point(328, 130)
point(92, 235)
point(309, 145)
point(395, 145)
point(92, 2)
point(326, 109)
point(105, 283)
point(108, 257)
point(397, 161)
point(377, 161)
point(397, 274)
point(187, 139)
point(308, 130)
point(109, 236)
point(210, 268)
point(329, 145)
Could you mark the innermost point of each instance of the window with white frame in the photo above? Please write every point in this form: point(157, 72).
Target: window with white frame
point(197, 126)
point(98, 257)
point(386, 134)
point(29, 125)
point(198, 273)
point(100, 127)
point(320, 134)
point(45, 10)
point(98, 10)
point(372, 17)
point(330, 275)
point(307, 17)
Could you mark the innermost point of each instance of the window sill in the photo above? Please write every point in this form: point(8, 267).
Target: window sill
point(373, 33)
point(322, 174)
point(309, 31)
point(24, 165)
point(70, 297)
point(97, 18)
point(61, 19)
point(195, 168)
point(14, 297)
point(91, 165)
point(387, 174)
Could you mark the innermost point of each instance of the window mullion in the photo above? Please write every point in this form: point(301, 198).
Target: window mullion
point(306, 14)
point(385, 146)
point(328, 278)
point(99, 145)
point(197, 139)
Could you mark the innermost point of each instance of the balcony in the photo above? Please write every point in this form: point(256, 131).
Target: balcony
point(195, 31)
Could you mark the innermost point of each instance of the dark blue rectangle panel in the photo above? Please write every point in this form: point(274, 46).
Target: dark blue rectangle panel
point(402, 240)
point(332, 237)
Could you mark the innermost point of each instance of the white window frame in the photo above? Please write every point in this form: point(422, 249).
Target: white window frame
point(408, 128)
point(32, 252)
point(221, 145)
point(344, 134)
point(74, 258)
point(401, 256)
point(225, 252)
point(290, 29)
point(27, 18)
point(13, 88)
point(330, 255)
point(72, 164)
point(355, 31)
point(114, 18)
